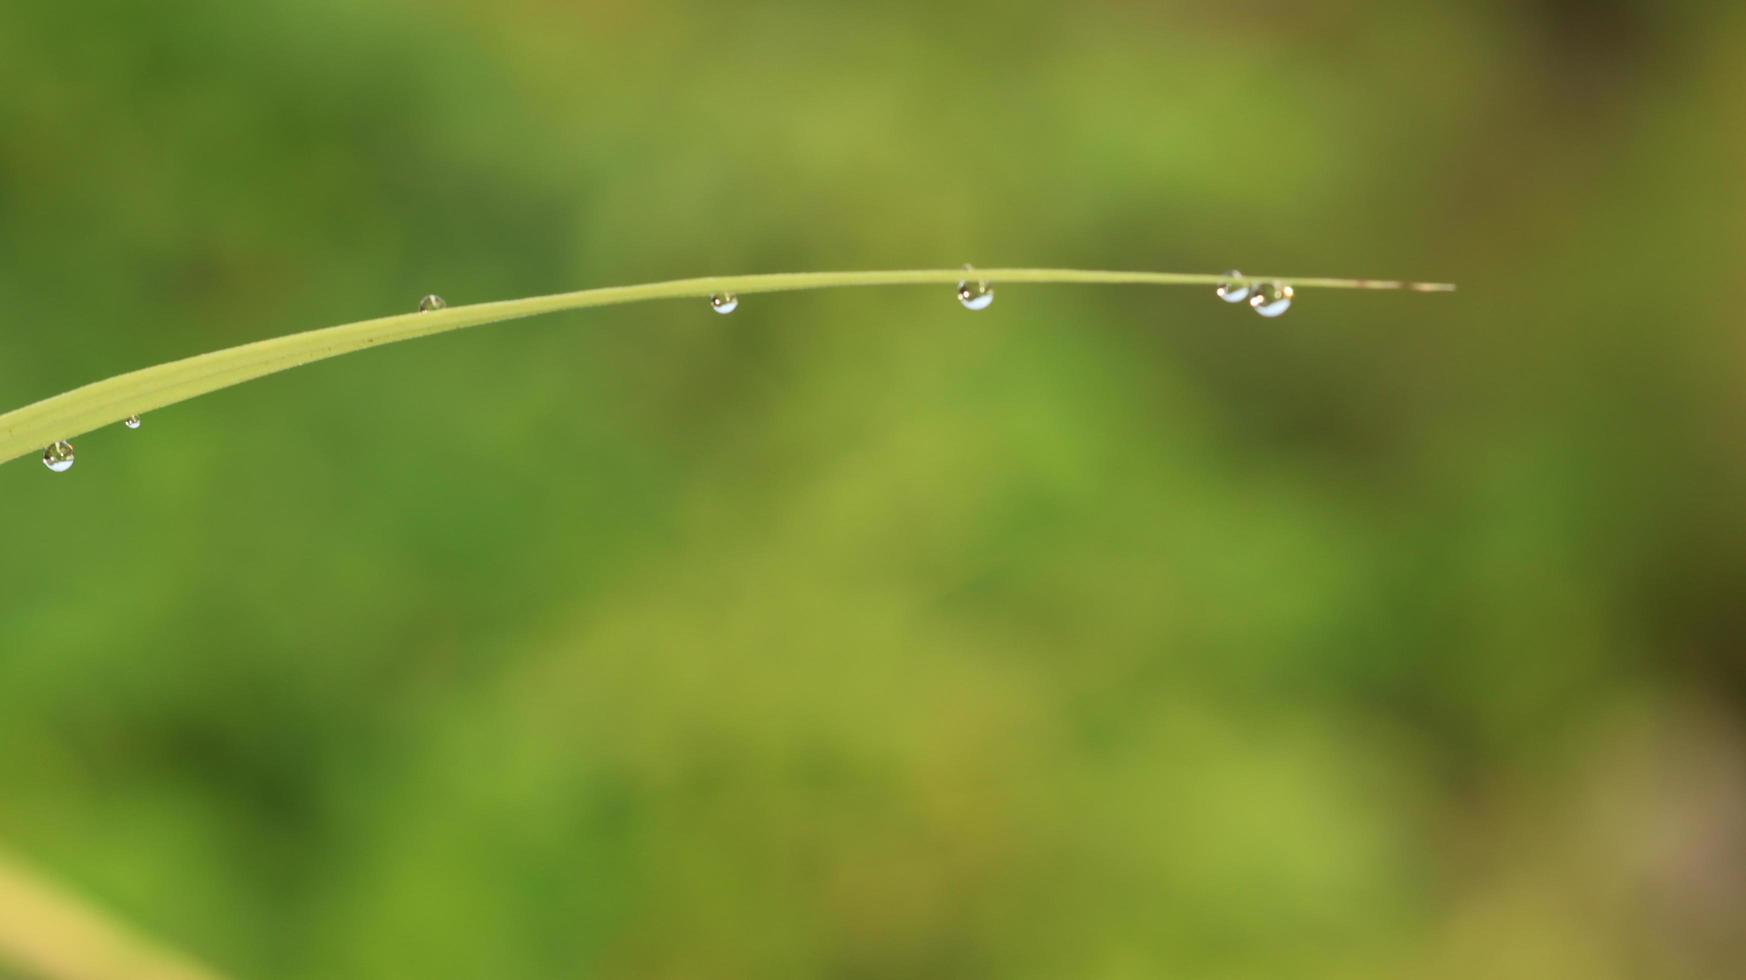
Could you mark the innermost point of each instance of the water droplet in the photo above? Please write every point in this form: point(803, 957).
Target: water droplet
point(1272, 299)
point(432, 302)
point(724, 303)
point(132, 422)
point(58, 457)
point(975, 295)
point(1235, 292)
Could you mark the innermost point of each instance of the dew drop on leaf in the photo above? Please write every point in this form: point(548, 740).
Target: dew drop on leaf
point(975, 295)
point(724, 303)
point(58, 457)
point(431, 302)
point(1272, 299)
point(132, 422)
point(1234, 292)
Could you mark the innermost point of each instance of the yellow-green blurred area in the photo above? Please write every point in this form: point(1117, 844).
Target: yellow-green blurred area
point(1110, 633)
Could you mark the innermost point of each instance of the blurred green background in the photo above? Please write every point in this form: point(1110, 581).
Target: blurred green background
point(1110, 633)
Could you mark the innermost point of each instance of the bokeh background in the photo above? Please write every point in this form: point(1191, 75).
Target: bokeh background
point(1109, 633)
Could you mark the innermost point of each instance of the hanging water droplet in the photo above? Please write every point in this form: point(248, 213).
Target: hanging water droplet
point(975, 295)
point(724, 303)
point(1272, 299)
point(431, 302)
point(1234, 292)
point(58, 457)
point(132, 422)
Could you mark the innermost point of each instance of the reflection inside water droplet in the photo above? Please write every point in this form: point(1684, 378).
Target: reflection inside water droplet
point(1234, 292)
point(132, 422)
point(431, 302)
point(724, 303)
point(58, 457)
point(1272, 299)
point(975, 295)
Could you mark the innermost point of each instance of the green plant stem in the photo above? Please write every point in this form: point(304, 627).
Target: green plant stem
point(73, 413)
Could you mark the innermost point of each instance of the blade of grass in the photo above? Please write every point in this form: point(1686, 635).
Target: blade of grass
point(48, 933)
point(73, 413)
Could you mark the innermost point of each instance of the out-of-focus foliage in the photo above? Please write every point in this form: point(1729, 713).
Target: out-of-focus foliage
point(1108, 633)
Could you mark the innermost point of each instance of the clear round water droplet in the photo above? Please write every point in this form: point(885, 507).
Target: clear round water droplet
point(132, 422)
point(1272, 299)
point(58, 457)
point(975, 295)
point(432, 302)
point(724, 303)
point(1235, 292)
